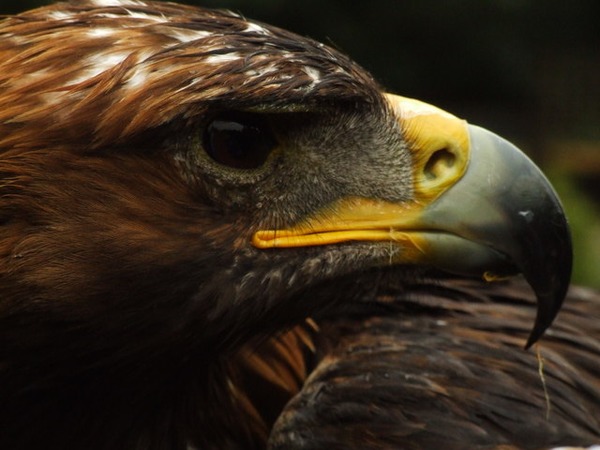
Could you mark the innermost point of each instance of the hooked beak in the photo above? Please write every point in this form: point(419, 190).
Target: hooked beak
point(480, 207)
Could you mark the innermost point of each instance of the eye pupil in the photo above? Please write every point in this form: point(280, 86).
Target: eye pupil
point(239, 140)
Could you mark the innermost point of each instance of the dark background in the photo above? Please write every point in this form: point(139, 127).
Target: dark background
point(526, 69)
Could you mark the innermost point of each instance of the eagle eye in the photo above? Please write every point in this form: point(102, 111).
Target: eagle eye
point(239, 140)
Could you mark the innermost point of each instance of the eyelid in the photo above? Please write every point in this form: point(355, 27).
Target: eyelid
point(239, 140)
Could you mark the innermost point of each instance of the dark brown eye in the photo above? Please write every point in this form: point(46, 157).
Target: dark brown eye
point(239, 140)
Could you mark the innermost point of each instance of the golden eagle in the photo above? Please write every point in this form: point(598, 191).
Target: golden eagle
point(216, 234)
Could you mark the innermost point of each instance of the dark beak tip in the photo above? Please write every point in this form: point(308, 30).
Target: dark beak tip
point(546, 313)
point(547, 261)
point(520, 215)
point(550, 292)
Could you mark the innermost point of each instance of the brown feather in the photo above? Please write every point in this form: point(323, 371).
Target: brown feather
point(154, 60)
point(134, 314)
point(445, 368)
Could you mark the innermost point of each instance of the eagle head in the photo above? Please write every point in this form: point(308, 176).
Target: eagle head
point(177, 182)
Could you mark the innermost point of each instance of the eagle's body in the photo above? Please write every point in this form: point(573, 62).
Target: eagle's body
point(151, 156)
point(443, 368)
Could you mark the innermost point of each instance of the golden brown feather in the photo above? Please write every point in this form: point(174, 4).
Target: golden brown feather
point(444, 368)
point(135, 314)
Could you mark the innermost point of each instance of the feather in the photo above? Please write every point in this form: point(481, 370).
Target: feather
point(136, 314)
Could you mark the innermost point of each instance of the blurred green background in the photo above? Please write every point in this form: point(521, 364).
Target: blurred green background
point(527, 69)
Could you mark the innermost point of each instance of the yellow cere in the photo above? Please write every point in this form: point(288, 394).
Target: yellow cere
point(439, 143)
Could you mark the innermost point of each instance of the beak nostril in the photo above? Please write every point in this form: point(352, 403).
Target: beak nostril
point(439, 163)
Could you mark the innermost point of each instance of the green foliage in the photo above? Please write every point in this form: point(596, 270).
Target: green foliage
point(584, 218)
